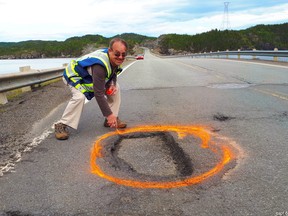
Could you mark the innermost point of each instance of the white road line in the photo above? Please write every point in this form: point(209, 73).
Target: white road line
point(248, 62)
point(35, 142)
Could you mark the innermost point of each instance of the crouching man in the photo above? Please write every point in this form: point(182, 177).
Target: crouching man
point(94, 75)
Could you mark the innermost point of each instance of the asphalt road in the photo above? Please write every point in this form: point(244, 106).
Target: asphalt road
point(240, 105)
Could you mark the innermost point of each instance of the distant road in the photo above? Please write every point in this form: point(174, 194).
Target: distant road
point(244, 103)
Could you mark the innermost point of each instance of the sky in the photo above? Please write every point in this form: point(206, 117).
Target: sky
point(22, 20)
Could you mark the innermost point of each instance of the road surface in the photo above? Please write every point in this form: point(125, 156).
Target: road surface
point(240, 105)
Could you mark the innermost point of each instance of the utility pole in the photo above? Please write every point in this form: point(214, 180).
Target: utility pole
point(226, 22)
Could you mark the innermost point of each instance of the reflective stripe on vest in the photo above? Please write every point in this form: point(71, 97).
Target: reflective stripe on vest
point(77, 75)
point(108, 67)
point(71, 73)
point(85, 87)
point(102, 56)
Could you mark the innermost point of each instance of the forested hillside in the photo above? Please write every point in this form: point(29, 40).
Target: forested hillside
point(72, 47)
point(260, 37)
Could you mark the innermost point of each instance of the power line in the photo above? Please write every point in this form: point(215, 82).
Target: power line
point(226, 22)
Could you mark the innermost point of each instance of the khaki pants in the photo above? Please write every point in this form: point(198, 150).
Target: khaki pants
point(73, 111)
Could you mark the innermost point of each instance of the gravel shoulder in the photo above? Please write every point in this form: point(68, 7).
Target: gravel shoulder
point(18, 116)
point(21, 114)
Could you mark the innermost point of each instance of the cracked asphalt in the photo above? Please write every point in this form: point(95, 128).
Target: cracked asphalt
point(242, 104)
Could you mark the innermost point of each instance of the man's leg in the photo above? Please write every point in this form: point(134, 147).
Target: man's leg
point(71, 115)
point(114, 102)
point(73, 111)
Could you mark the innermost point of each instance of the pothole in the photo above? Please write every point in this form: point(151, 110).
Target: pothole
point(161, 156)
point(147, 159)
point(148, 155)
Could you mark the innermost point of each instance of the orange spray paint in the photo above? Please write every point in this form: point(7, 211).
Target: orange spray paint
point(225, 153)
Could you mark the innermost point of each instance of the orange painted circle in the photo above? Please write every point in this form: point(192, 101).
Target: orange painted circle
point(225, 153)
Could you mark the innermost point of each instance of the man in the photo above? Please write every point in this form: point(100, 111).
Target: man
point(94, 75)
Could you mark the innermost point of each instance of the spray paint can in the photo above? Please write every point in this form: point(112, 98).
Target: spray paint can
point(109, 88)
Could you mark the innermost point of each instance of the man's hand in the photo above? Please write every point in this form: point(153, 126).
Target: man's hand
point(112, 90)
point(112, 121)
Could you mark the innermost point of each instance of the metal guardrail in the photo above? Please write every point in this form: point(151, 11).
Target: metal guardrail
point(226, 54)
point(276, 53)
point(13, 81)
point(31, 77)
point(18, 80)
point(28, 77)
point(276, 56)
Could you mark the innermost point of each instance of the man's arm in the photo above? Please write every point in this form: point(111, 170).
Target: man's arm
point(99, 74)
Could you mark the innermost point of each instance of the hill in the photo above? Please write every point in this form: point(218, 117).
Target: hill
point(260, 37)
point(72, 47)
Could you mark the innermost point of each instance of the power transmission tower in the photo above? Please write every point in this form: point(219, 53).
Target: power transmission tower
point(226, 22)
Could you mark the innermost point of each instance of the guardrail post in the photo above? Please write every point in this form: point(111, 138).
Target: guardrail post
point(25, 69)
point(239, 56)
point(275, 58)
point(3, 98)
point(227, 55)
point(254, 56)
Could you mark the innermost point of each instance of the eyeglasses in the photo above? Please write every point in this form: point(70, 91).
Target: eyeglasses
point(118, 54)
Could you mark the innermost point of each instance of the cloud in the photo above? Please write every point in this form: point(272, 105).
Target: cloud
point(260, 15)
point(59, 20)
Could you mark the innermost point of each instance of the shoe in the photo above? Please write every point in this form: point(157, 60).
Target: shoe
point(120, 124)
point(61, 131)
